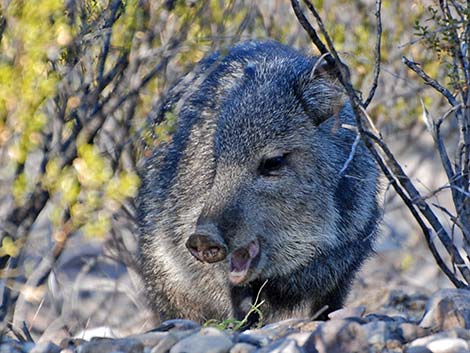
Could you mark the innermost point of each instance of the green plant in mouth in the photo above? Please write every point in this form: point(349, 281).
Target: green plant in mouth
point(236, 325)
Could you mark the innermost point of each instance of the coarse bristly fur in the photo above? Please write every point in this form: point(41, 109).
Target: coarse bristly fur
point(257, 101)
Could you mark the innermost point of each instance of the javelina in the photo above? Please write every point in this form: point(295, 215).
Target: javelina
point(250, 190)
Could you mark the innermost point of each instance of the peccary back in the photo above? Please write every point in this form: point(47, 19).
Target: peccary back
point(249, 191)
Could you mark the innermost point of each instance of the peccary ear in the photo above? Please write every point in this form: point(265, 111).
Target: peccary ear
point(320, 92)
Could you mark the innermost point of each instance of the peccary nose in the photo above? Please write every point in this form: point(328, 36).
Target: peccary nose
point(206, 247)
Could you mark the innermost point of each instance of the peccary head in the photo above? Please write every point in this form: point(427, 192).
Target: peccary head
point(270, 205)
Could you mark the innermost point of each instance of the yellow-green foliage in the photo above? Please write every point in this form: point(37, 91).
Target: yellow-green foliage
point(33, 49)
point(36, 32)
point(9, 247)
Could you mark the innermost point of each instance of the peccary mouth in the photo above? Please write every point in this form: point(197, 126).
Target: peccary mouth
point(241, 260)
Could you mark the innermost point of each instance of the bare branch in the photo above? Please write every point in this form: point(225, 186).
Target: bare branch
point(308, 27)
point(107, 39)
point(343, 70)
point(351, 155)
point(430, 81)
point(413, 193)
point(434, 129)
point(378, 59)
point(426, 231)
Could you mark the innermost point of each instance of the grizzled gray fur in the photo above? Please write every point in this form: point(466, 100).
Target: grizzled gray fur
point(250, 191)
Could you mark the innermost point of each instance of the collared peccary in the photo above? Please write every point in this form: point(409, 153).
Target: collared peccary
point(257, 187)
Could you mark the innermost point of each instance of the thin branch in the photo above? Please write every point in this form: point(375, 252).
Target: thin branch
point(426, 231)
point(430, 81)
point(425, 210)
point(308, 27)
point(378, 59)
point(343, 75)
point(453, 218)
point(434, 129)
point(351, 155)
point(107, 38)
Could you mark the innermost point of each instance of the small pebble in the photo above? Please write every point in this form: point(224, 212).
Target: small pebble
point(208, 340)
point(254, 339)
point(300, 337)
point(281, 346)
point(337, 336)
point(448, 345)
point(150, 339)
point(410, 331)
point(347, 313)
point(418, 349)
point(177, 325)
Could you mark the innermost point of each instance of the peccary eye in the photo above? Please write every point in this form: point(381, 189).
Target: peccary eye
point(270, 166)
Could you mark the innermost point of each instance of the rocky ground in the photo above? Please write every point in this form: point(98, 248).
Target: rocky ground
point(93, 302)
point(442, 327)
point(396, 305)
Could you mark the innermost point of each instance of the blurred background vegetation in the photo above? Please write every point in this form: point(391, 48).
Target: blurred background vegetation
point(82, 81)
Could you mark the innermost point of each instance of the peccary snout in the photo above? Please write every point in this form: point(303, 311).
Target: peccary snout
point(207, 246)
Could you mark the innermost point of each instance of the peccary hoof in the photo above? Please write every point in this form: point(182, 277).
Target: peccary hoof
point(205, 248)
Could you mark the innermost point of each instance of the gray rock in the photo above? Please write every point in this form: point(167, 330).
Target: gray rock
point(279, 329)
point(208, 340)
point(347, 313)
point(283, 323)
point(256, 339)
point(448, 345)
point(97, 332)
point(28, 346)
point(447, 309)
point(410, 332)
point(150, 339)
point(417, 349)
point(411, 303)
point(300, 337)
point(107, 345)
point(45, 347)
point(451, 334)
point(8, 345)
point(165, 345)
point(387, 318)
point(178, 324)
point(381, 334)
point(309, 326)
point(170, 340)
point(438, 343)
point(66, 350)
point(338, 336)
point(282, 346)
point(243, 348)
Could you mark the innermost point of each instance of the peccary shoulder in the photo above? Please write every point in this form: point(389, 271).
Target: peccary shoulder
point(250, 191)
